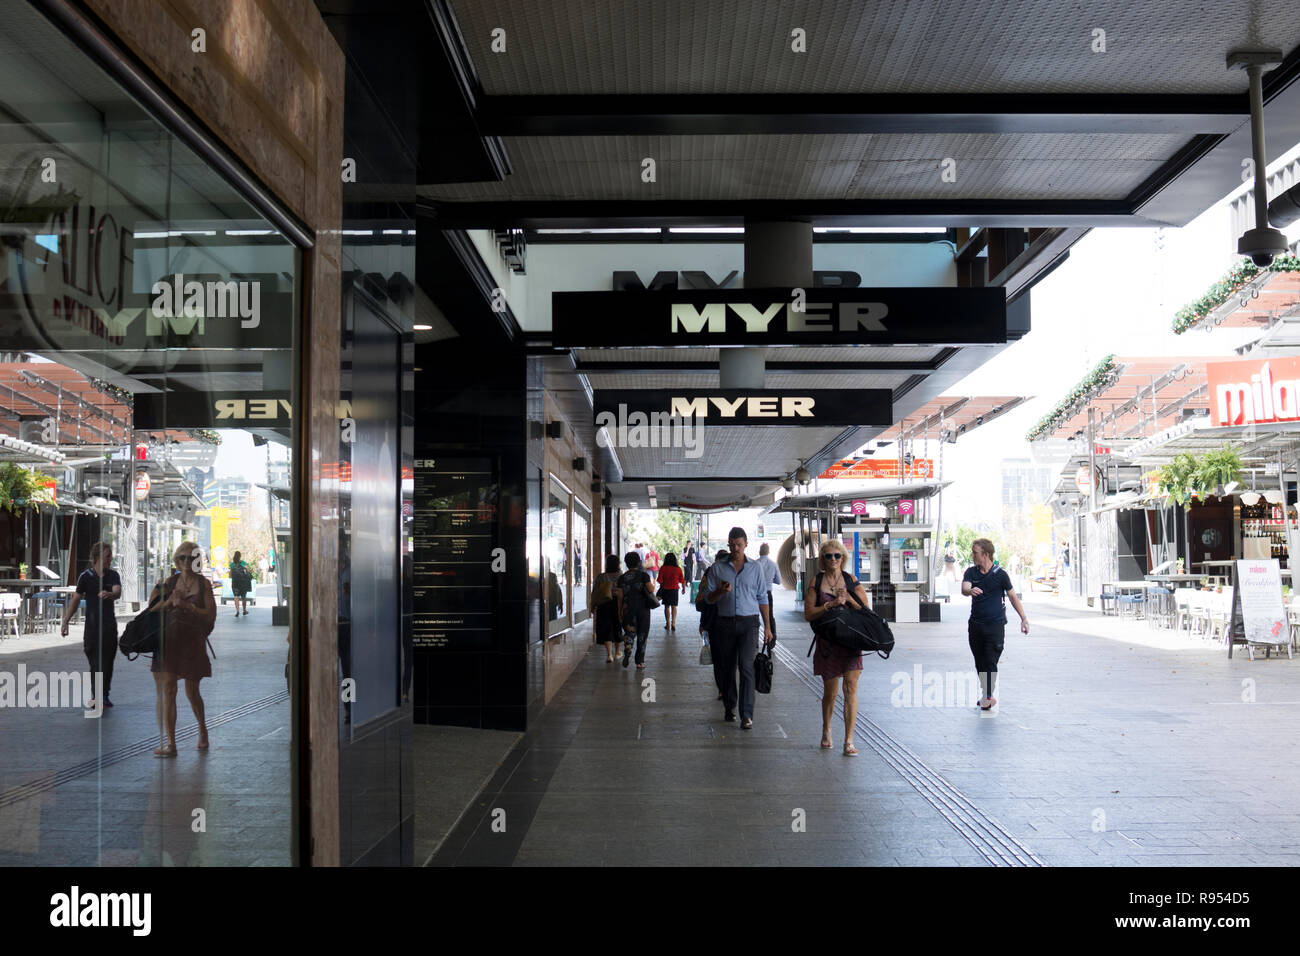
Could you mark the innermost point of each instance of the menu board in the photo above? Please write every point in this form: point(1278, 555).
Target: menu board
point(455, 516)
point(1257, 603)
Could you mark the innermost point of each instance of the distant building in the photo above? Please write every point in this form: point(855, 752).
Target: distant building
point(1024, 485)
point(227, 493)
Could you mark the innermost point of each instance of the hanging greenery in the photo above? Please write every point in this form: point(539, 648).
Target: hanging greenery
point(1239, 275)
point(1187, 475)
point(1216, 469)
point(1175, 479)
point(1104, 375)
point(21, 487)
point(120, 394)
point(204, 435)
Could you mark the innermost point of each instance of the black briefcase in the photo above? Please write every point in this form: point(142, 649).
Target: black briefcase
point(763, 670)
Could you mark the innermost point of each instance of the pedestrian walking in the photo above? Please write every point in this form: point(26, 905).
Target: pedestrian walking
point(652, 563)
point(688, 563)
point(241, 582)
point(602, 599)
point(986, 584)
point(634, 593)
point(189, 613)
point(708, 624)
point(834, 587)
point(772, 576)
point(100, 586)
point(670, 585)
point(737, 587)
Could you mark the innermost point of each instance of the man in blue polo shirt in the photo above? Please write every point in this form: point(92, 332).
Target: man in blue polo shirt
point(739, 589)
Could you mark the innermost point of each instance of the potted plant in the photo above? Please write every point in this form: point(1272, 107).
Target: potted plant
point(1216, 469)
point(1176, 478)
point(22, 572)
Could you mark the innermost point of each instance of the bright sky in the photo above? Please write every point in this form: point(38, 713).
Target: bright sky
point(1117, 293)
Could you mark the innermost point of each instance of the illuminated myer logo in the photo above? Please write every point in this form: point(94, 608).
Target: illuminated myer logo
point(816, 317)
point(176, 298)
point(1259, 400)
point(753, 406)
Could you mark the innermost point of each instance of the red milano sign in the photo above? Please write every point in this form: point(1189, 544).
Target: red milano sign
point(1254, 390)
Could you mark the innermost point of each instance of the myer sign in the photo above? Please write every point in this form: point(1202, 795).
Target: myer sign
point(815, 316)
point(811, 407)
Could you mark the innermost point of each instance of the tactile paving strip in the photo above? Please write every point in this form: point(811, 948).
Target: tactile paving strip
point(140, 747)
point(984, 833)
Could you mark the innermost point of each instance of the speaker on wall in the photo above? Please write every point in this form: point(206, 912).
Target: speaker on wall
point(555, 429)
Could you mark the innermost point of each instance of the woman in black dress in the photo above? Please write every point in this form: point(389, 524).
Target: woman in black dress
point(607, 630)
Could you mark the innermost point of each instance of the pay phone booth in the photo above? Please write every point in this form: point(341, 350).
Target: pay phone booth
point(893, 566)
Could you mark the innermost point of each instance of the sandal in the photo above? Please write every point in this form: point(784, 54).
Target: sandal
point(165, 751)
point(989, 703)
point(203, 743)
point(827, 743)
point(850, 750)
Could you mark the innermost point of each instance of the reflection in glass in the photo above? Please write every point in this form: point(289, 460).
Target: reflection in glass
point(146, 316)
point(555, 559)
point(581, 569)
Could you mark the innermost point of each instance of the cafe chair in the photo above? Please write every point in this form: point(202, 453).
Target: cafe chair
point(1131, 605)
point(1160, 606)
point(1183, 608)
point(1199, 612)
point(10, 604)
point(1108, 597)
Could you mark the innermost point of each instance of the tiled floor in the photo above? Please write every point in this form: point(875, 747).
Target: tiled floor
point(229, 806)
point(1112, 745)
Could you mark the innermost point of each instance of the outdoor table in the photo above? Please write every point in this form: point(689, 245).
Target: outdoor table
point(25, 587)
point(1177, 580)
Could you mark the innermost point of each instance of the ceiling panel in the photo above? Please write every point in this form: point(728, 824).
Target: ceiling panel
point(869, 166)
point(889, 46)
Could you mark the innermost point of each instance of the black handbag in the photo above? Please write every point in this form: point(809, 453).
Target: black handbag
point(763, 670)
point(855, 629)
point(143, 634)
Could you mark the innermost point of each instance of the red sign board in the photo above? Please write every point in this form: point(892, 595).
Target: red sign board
point(1251, 391)
point(889, 468)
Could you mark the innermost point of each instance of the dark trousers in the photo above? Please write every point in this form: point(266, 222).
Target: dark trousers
point(642, 621)
point(734, 642)
point(986, 642)
point(101, 651)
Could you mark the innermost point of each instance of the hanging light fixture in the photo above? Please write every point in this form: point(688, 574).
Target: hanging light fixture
point(1249, 498)
point(802, 475)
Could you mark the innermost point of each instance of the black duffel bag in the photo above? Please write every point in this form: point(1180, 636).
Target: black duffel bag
point(763, 669)
point(855, 629)
point(143, 634)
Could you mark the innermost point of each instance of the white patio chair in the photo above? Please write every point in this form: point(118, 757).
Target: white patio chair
point(10, 604)
point(1183, 608)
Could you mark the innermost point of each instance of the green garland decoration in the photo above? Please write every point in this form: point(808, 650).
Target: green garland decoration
point(113, 391)
point(204, 435)
point(1104, 374)
point(1189, 316)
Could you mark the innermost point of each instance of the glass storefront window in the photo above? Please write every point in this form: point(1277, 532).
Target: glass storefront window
point(579, 548)
point(555, 558)
point(147, 315)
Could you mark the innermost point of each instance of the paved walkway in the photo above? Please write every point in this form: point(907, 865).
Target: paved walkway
point(1113, 745)
point(79, 792)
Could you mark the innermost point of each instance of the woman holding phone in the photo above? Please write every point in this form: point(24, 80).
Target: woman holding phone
point(835, 587)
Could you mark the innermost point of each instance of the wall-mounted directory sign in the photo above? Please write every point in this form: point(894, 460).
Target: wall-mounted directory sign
point(829, 316)
point(455, 517)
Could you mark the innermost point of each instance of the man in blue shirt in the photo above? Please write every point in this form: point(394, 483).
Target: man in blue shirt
point(985, 585)
point(739, 589)
point(772, 576)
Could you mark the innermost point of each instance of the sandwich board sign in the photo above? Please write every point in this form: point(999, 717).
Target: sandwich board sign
point(1258, 614)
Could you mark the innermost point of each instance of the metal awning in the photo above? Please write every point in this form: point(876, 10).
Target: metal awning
point(887, 494)
point(1255, 443)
